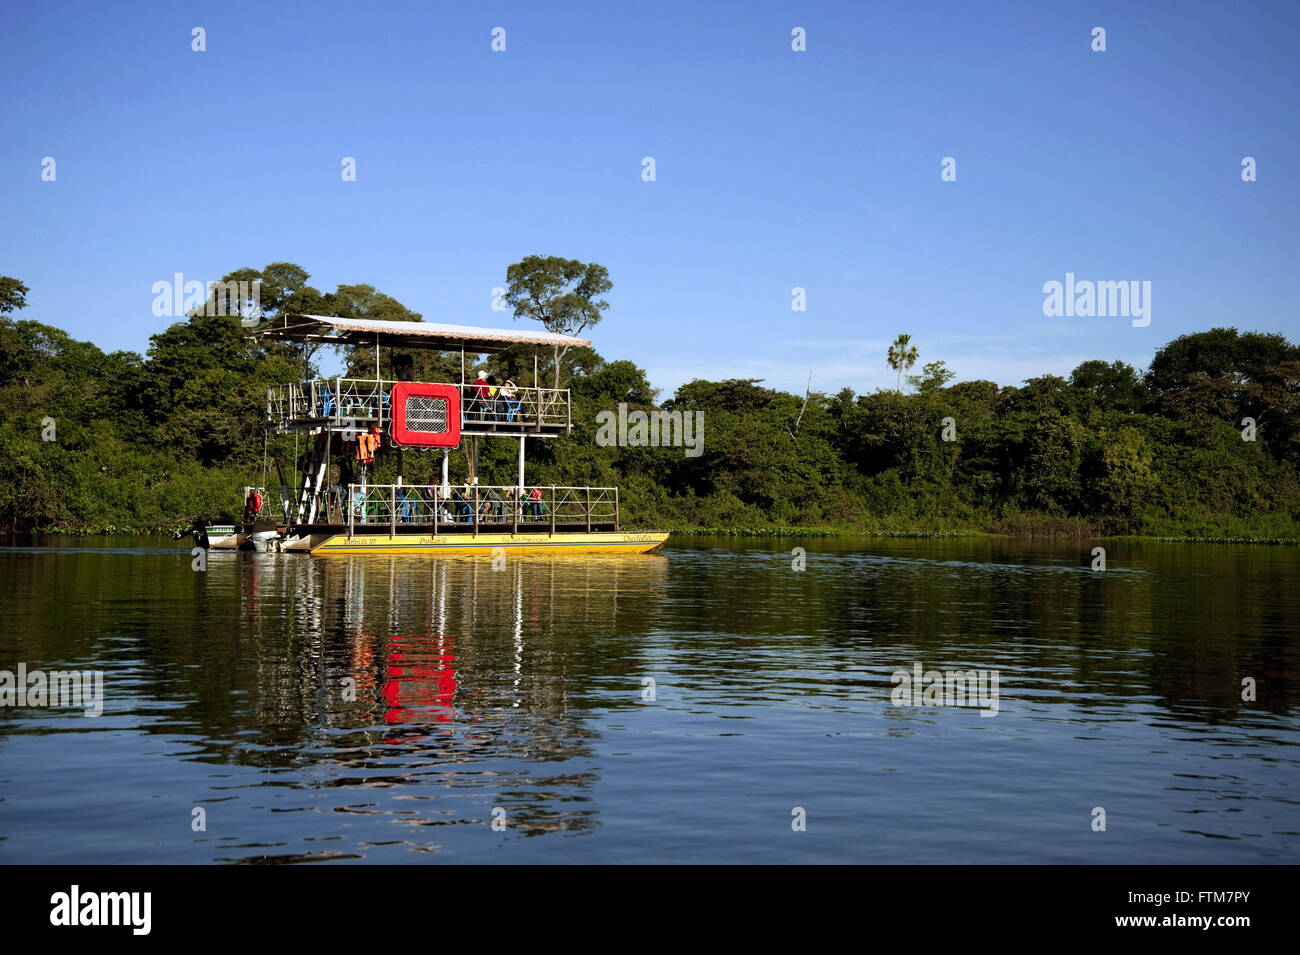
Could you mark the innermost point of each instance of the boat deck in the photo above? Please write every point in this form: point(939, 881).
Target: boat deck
point(442, 528)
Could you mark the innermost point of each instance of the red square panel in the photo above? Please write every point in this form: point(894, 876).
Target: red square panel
point(425, 415)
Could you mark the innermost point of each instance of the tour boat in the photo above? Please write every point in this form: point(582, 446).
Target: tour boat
point(347, 421)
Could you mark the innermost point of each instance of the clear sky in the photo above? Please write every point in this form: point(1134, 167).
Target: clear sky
point(774, 169)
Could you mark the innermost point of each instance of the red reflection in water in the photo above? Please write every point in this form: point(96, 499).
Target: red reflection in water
point(413, 691)
point(249, 575)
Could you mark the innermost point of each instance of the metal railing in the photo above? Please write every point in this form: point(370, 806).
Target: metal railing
point(357, 404)
point(527, 409)
point(497, 507)
point(349, 403)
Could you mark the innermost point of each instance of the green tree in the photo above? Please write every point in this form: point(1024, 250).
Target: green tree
point(365, 302)
point(13, 294)
point(1115, 386)
point(1053, 457)
point(902, 355)
point(1126, 476)
point(933, 377)
point(560, 293)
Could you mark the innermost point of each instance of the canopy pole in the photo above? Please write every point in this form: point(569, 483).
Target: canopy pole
point(521, 464)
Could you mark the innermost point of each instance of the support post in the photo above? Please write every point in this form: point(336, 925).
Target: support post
point(474, 516)
point(444, 492)
point(617, 525)
point(588, 510)
point(392, 511)
point(552, 511)
point(352, 513)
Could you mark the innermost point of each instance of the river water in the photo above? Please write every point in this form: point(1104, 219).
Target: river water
point(710, 703)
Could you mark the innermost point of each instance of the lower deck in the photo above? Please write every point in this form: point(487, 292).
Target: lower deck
point(323, 539)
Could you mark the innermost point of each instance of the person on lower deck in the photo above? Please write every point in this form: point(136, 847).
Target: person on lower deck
point(437, 503)
point(493, 506)
point(412, 506)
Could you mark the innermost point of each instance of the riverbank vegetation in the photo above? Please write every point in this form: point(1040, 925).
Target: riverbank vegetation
point(1202, 445)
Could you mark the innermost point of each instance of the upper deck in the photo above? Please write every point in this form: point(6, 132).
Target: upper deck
point(352, 406)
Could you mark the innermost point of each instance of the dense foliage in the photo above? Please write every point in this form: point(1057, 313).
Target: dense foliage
point(95, 441)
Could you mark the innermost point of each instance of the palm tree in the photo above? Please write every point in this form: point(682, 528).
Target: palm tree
point(901, 356)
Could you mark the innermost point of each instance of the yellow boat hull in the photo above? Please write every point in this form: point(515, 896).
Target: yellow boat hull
point(596, 542)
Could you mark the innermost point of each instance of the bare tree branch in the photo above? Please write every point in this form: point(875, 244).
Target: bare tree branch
point(806, 395)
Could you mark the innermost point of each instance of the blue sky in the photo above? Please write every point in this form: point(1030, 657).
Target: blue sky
point(775, 169)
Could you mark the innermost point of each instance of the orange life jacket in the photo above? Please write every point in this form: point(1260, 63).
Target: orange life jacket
point(367, 445)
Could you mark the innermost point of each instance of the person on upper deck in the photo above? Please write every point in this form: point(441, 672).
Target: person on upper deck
point(494, 401)
point(480, 397)
point(510, 402)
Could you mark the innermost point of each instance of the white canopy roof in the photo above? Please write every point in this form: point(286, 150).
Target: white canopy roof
point(329, 329)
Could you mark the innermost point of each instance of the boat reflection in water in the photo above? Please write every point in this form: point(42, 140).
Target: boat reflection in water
point(444, 678)
point(416, 691)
